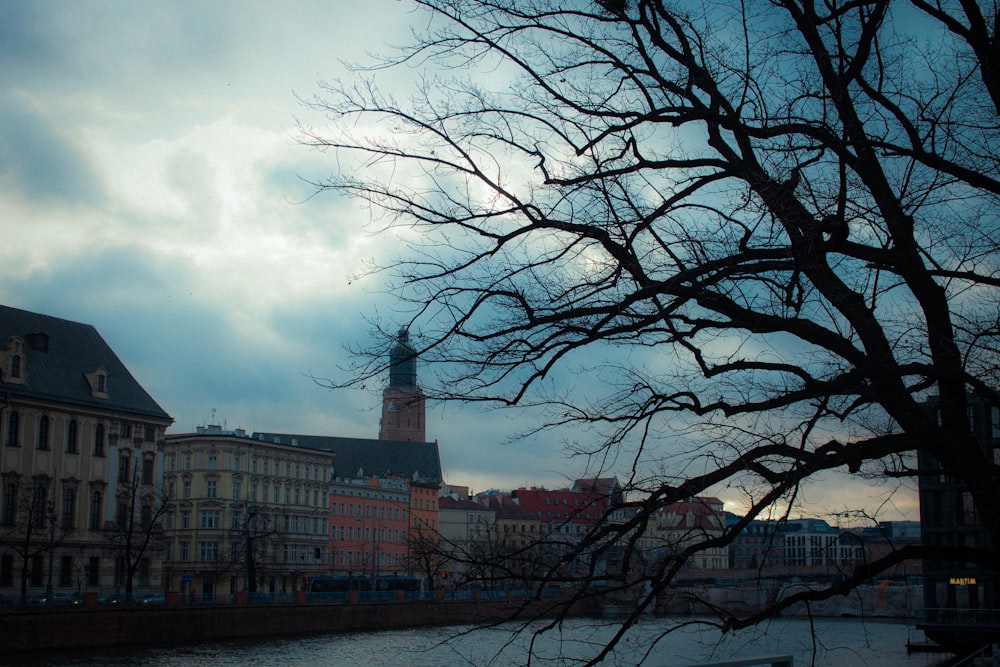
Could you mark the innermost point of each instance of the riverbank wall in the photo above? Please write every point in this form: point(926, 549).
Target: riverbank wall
point(74, 628)
point(883, 600)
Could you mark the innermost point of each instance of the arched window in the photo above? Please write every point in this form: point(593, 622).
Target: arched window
point(15, 366)
point(14, 429)
point(43, 432)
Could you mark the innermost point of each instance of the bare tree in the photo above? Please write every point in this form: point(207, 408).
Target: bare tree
point(136, 534)
point(28, 525)
point(774, 222)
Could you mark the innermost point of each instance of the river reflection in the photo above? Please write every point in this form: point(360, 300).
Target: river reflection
point(827, 642)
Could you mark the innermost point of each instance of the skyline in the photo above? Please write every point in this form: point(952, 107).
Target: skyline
point(153, 186)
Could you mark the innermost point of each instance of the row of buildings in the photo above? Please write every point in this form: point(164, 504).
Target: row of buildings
point(97, 496)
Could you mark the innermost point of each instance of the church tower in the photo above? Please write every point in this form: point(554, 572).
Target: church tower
point(403, 404)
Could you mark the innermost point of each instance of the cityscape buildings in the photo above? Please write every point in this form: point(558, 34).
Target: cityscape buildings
point(96, 496)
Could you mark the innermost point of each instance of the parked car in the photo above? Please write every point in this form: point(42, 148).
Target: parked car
point(155, 598)
point(56, 599)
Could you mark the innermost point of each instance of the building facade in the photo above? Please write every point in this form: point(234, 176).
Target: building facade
point(81, 462)
point(369, 524)
point(245, 514)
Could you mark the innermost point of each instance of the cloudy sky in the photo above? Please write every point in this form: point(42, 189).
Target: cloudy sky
point(150, 185)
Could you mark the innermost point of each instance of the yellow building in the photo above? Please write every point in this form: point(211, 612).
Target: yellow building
point(247, 514)
point(81, 463)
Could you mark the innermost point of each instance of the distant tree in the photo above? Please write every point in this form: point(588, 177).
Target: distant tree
point(256, 540)
point(136, 535)
point(28, 525)
point(424, 552)
point(754, 241)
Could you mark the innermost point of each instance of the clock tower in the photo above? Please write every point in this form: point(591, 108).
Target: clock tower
point(403, 403)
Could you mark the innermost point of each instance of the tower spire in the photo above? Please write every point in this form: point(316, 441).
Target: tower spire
point(403, 403)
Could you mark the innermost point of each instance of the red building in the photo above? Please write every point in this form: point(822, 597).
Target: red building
point(563, 511)
point(369, 520)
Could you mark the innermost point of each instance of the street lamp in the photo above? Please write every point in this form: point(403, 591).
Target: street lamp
point(52, 539)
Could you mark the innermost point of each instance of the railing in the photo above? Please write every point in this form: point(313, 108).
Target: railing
point(975, 618)
point(147, 599)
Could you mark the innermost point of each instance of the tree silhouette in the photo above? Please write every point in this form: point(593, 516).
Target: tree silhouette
point(137, 531)
point(28, 525)
point(756, 242)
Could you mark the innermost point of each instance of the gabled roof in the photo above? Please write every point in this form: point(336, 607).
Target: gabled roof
point(58, 355)
point(606, 487)
point(369, 456)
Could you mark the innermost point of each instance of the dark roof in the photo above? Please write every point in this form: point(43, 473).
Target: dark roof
point(373, 457)
point(449, 503)
point(57, 356)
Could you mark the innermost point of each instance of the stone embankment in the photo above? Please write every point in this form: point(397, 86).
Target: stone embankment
point(76, 628)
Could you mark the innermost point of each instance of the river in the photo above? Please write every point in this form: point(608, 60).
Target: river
point(828, 642)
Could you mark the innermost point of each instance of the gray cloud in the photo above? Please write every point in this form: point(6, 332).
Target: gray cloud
point(41, 163)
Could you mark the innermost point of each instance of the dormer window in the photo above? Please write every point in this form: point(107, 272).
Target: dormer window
point(98, 381)
point(12, 361)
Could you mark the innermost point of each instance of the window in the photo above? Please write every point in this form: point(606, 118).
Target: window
point(14, 429)
point(185, 518)
point(43, 433)
point(297, 496)
point(146, 516)
point(72, 430)
point(9, 503)
point(69, 507)
point(237, 487)
point(147, 471)
point(66, 571)
point(236, 462)
point(147, 433)
point(210, 488)
point(213, 461)
point(95, 509)
point(126, 430)
point(7, 570)
point(94, 571)
point(185, 551)
point(143, 572)
point(39, 505)
point(15, 366)
point(209, 519)
point(99, 440)
point(35, 575)
point(123, 464)
point(208, 551)
point(186, 488)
